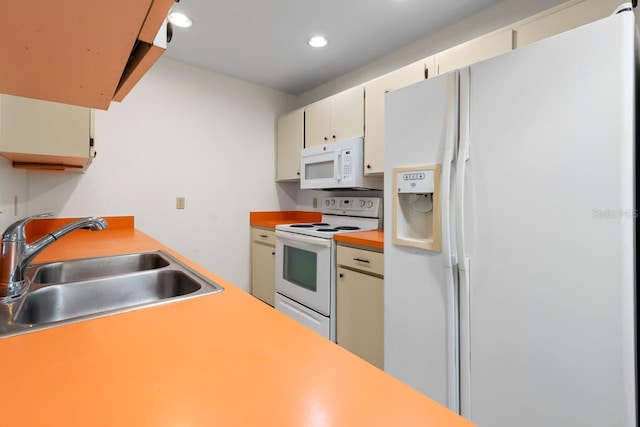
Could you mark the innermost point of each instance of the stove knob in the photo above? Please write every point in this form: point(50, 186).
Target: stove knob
point(362, 203)
point(327, 202)
point(369, 204)
point(333, 202)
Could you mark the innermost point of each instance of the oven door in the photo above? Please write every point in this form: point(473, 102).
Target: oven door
point(303, 270)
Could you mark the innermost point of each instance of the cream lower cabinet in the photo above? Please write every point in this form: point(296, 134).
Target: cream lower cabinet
point(263, 264)
point(335, 118)
point(375, 91)
point(38, 134)
point(359, 303)
point(289, 143)
point(563, 19)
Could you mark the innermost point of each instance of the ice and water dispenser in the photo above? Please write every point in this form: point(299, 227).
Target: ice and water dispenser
point(416, 207)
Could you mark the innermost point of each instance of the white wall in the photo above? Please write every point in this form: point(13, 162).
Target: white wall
point(182, 131)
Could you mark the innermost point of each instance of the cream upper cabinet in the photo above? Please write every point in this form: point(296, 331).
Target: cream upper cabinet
point(375, 91)
point(347, 114)
point(360, 303)
point(289, 143)
point(335, 118)
point(317, 123)
point(564, 19)
point(45, 135)
point(475, 50)
point(263, 265)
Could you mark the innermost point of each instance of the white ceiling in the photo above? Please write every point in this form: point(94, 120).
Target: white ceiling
point(265, 41)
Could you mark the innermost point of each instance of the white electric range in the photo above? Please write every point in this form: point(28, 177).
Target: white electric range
point(306, 260)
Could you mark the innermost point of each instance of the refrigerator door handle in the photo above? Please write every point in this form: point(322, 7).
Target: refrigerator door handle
point(448, 255)
point(451, 142)
point(463, 158)
point(463, 259)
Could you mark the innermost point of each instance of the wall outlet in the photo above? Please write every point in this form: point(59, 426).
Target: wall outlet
point(179, 202)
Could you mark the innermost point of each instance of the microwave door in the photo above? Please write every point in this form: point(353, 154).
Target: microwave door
point(319, 170)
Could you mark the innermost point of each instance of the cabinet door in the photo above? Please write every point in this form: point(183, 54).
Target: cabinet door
point(564, 20)
point(347, 114)
point(476, 50)
point(263, 272)
point(290, 141)
point(375, 91)
point(317, 123)
point(360, 323)
point(34, 127)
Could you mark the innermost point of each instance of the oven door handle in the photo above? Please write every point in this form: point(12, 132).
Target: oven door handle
point(307, 240)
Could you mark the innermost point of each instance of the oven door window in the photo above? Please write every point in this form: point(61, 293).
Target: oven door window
point(300, 267)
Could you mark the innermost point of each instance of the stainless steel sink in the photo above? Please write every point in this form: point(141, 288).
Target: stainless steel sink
point(71, 291)
point(61, 302)
point(91, 268)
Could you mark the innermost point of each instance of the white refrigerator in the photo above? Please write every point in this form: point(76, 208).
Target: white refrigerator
point(510, 274)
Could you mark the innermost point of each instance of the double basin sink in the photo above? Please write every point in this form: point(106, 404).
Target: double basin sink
point(71, 291)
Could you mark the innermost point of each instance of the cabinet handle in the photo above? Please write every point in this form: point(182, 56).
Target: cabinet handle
point(334, 137)
point(298, 173)
point(340, 275)
point(325, 138)
point(169, 32)
point(361, 260)
point(368, 166)
point(273, 253)
point(264, 236)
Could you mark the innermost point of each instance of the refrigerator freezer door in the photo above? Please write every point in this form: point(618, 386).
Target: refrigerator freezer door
point(549, 232)
point(418, 344)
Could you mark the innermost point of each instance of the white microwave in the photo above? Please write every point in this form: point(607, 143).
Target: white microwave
point(338, 165)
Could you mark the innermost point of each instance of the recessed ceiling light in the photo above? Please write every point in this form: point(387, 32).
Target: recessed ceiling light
point(180, 20)
point(317, 41)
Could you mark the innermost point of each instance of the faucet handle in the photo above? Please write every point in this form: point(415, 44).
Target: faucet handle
point(15, 232)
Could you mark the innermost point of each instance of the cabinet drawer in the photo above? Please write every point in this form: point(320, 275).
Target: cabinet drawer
point(360, 259)
point(263, 236)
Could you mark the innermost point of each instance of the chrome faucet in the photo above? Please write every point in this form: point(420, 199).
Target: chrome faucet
point(17, 254)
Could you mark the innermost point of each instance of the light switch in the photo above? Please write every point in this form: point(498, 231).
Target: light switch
point(179, 202)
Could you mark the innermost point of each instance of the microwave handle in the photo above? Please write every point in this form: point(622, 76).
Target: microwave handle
point(338, 166)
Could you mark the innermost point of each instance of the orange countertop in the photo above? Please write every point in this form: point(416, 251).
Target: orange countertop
point(373, 239)
point(273, 218)
point(224, 359)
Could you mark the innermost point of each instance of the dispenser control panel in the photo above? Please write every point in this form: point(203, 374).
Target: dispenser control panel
point(416, 182)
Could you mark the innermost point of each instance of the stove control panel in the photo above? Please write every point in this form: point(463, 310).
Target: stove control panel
point(352, 206)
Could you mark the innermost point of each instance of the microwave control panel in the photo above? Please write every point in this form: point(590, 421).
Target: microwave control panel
point(347, 163)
